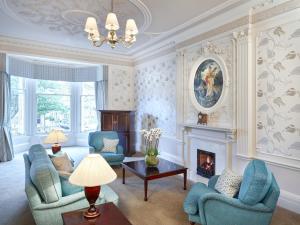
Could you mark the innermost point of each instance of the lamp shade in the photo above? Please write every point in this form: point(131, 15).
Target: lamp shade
point(112, 22)
point(55, 137)
point(91, 25)
point(131, 27)
point(93, 171)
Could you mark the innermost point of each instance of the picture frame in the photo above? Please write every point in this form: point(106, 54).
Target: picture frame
point(208, 83)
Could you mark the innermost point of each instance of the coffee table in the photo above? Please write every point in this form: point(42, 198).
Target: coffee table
point(165, 168)
point(110, 215)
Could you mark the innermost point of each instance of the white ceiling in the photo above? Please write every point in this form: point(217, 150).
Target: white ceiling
point(62, 21)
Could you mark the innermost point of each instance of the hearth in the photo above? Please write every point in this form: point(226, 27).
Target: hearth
point(206, 163)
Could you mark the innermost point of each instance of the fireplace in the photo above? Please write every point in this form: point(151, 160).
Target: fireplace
point(206, 163)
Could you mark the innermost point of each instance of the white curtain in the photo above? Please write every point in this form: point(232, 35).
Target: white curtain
point(6, 146)
point(101, 90)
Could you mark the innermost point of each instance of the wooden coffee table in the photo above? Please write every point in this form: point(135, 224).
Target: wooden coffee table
point(165, 168)
point(110, 215)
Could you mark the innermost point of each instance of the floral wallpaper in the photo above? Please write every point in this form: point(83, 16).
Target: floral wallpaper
point(278, 90)
point(120, 85)
point(155, 95)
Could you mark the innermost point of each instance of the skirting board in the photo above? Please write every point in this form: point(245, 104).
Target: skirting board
point(286, 200)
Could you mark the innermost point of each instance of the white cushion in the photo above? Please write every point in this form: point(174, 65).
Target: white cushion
point(62, 163)
point(110, 145)
point(228, 183)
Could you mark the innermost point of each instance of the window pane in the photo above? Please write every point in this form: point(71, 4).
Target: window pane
point(88, 113)
point(88, 88)
point(53, 87)
point(17, 106)
point(53, 111)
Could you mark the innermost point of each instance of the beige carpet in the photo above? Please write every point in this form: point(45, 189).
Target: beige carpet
point(164, 206)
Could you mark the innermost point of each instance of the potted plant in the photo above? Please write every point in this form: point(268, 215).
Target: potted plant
point(151, 141)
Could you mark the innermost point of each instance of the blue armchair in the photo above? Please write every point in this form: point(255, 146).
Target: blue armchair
point(96, 145)
point(254, 204)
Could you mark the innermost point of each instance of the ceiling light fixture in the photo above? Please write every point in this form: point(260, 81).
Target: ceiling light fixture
point(111, 25)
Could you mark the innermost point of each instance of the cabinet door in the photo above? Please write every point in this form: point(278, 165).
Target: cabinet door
point(107, 121)
point(121, 122)
point(124, 141)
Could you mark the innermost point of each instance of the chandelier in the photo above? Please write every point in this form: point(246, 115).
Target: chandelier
point(111, 25)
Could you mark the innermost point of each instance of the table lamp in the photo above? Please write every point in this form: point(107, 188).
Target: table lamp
point(55, 137)
point(92, 172)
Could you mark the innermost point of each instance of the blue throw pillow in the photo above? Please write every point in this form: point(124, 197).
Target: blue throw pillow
point(256, 182)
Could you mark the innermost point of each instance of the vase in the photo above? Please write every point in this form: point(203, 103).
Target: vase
point(151, 160)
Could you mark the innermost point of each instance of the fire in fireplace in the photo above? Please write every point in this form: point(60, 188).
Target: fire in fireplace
point(206, 163)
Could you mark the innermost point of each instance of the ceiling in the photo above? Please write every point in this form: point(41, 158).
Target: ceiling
point(62, 21)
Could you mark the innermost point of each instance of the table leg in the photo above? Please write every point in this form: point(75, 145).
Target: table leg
point(123, 175)
point(145, 189)
point(184, 179)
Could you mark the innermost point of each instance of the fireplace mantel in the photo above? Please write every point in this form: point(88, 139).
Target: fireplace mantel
point(230, 134)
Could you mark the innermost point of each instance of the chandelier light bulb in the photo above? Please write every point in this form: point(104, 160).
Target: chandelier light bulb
point(131, 27)
point(112, 22)
point(91, 25)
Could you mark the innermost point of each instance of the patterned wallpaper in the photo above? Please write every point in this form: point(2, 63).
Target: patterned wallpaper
point(120, 88)
point(224, 116)
point(155, 95)
point(278, 90)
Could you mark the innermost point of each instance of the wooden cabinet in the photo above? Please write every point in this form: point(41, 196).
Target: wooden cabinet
point(123, 123)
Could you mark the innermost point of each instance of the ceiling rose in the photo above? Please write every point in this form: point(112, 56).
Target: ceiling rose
point(69, 16)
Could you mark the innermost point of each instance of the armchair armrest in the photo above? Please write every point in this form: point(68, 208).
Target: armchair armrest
point(120, 149)
point(233, 202)
point(212, 181)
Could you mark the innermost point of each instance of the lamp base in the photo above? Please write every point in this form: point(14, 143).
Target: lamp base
point(92, 194)
point(56, 148)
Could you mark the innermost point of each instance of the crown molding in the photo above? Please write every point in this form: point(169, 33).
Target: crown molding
point(33, 48)
point(227, 5)
point(210, 27)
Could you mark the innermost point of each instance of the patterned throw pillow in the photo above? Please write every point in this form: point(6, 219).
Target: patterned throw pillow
point(110, 145)
point(62, 163)
point(228, 183)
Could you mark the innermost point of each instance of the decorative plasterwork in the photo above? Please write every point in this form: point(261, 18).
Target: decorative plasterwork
point(69, 16)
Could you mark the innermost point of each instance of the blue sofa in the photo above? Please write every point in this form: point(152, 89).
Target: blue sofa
point(96, 145)
point(49, 195)
point(254, 204)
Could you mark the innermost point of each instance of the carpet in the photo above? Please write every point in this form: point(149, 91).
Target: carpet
point(164, 206)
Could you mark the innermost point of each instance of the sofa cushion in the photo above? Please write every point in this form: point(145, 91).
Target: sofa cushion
point(110, 145)
point(62, 163)
point(228, 183)
point(191, 201)
point(37, 152)
point(112, 157)
point(256, 182)
point(46, 180)
point(66, 187)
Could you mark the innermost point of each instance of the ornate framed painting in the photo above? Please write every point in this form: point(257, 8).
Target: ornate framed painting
point(208, 83)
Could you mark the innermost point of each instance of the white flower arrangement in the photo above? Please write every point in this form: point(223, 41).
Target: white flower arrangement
point(151, 140)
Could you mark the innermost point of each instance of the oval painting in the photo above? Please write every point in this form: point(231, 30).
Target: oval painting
point(208, 83)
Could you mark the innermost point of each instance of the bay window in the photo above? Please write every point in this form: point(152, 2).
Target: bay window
point(53, 106)
point(88, 116)
point(39, 106)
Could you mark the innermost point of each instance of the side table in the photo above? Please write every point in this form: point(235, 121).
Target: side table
point(109, 215)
